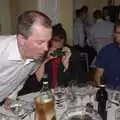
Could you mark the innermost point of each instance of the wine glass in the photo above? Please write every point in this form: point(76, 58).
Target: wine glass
point(91, 92)
point(21, 108)
point(71, 97)
point(82, 91)
point(60, 97)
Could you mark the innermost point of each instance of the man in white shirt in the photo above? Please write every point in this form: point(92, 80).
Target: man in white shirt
point(20, 53)
point(102, 32)
point(79, 36)
point(106, 15)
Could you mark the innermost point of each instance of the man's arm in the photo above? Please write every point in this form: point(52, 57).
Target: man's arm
point(98, 74)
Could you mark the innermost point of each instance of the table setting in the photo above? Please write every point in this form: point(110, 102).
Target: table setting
point(74, 102)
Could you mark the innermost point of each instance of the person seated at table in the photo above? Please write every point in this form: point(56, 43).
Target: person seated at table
point(108, 62)
point(57, 68)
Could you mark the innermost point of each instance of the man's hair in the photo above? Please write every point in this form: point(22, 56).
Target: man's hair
point(28, 18)
point(97, 14)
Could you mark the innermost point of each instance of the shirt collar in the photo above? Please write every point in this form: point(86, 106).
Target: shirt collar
point(14, 53)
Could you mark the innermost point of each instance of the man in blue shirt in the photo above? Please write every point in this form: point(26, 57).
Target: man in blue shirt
point(108, 62)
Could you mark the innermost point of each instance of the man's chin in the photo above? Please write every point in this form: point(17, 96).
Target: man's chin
point(40, 58)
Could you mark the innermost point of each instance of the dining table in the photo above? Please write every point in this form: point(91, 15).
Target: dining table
point(113, 107)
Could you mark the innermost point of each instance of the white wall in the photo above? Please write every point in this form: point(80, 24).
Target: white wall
point(5, 17)
point(50, 8)
point(26, 5)
point(66, 18)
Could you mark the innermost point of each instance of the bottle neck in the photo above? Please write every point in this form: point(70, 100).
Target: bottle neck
point(45, 86)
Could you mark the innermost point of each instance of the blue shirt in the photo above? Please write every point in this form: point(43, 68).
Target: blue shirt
point(109, 60)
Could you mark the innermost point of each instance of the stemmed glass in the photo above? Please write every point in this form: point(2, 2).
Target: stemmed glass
point(91, 92)
point(21, 108)
point(82, 91)
point(60, 97)
point(72, 99)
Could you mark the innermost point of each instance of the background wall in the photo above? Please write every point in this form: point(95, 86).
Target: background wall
point(66, 18)
point(50, 8)
point(18, 6)
point(117, 2)
point(5, 17)
point(58, 10)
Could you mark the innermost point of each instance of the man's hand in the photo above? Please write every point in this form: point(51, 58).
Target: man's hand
point(7, 103)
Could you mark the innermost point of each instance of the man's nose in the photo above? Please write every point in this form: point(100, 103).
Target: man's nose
point(46, 47)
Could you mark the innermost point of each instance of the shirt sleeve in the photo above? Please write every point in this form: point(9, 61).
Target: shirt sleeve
point(15, 93)
point(101, 59)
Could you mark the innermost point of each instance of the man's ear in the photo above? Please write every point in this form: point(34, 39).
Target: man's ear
point(21, 39)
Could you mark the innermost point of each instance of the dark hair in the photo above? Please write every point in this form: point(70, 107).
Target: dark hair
point(59, 32)
point(28, 18)
point(79, 12)
point(97, 14)
point(84, 8)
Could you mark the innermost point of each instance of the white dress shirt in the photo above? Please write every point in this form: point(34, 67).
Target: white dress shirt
point(13, 69)
point(79, 33)
point(101, 34)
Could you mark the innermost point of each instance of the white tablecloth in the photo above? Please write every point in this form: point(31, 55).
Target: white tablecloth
point(31, 96)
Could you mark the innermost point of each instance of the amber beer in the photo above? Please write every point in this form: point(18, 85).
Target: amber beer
point(44, 110)
point(45, 104)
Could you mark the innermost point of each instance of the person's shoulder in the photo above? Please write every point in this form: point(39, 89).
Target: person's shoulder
point(5, 42)
point(5, 38)
point(108, 48)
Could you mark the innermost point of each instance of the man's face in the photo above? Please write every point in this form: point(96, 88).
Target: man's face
point(117, 34)
point(36, 44)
